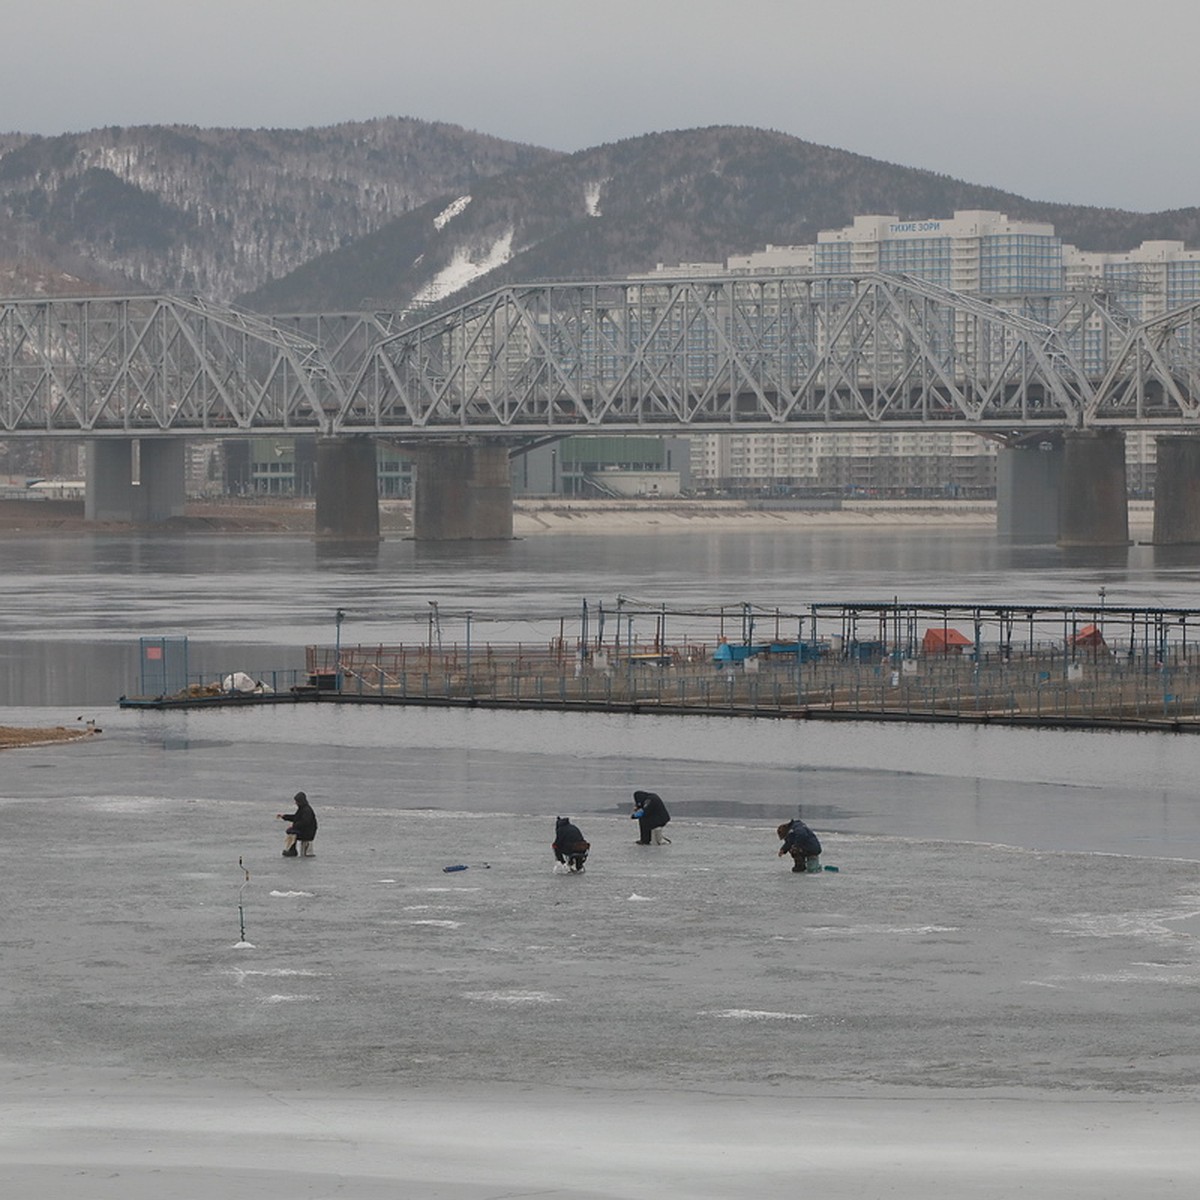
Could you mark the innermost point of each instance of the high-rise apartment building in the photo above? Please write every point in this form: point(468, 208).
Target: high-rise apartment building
point(979, 252)
point(982, 253)
point(976, 252)
point(1148, 281)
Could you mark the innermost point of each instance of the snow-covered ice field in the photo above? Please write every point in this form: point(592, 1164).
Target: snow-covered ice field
point(939, 1018)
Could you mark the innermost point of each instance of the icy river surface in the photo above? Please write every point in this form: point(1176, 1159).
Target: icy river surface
point(994, 994)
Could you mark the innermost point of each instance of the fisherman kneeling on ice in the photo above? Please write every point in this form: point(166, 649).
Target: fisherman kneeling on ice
point(569, 846)
point(302, 828)
point(801, 843)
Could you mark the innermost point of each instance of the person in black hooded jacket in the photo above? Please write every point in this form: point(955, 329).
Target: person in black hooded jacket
point(302, 827)
point(801, 843)
point(651, 815)
point(569, 845)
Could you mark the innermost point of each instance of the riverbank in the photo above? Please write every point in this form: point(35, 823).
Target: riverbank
point(532, 518)
point(14, 737)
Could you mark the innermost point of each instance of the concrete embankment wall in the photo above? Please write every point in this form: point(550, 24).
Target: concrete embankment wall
point(548, 516)
point(558, 516)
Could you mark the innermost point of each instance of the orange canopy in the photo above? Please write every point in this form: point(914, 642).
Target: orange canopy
point(944, 641)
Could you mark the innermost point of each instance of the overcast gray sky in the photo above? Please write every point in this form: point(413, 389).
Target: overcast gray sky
point(1089, 101)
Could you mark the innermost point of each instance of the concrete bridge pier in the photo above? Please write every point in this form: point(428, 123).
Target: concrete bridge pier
point(139, 480)
point(161, 490)
point(1177, 490)
point(1093, 505)
point(347, 490)
point(463, 493)
point(1028, 483)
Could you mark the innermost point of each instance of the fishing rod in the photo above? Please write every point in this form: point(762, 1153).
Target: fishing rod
point(242, 943)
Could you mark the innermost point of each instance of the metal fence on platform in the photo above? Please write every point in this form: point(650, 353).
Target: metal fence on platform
point(1092, 684)
point(163, 665)
point(1086, 664)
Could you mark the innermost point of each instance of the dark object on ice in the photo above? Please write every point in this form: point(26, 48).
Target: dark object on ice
point(569, 845)
point(652, 817)
point(801, 843)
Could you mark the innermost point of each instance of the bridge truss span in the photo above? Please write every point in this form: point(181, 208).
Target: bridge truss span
point(148, 365)
point(731, 352)
point(1155, 375)
point(772, 353)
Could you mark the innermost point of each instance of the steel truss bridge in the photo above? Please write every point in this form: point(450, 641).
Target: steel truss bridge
point(731, 353)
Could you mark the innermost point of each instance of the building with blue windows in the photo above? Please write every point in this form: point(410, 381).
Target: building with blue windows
point(976, 252)
point(979, 252)
point(1147, 282)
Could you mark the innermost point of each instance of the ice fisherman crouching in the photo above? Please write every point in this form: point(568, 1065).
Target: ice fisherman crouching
point(569, 845)
point(302, 828)
point(652, 817)
point(801, 843)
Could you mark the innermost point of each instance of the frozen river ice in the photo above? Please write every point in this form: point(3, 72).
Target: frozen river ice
point(958, 1008)
point(993, 996)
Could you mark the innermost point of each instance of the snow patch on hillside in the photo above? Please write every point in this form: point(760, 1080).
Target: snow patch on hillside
point(28, 278)
point(463, 268)
point(450, 212)
point(591, 196)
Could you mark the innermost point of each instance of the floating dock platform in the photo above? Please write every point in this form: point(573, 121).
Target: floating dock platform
point(1076, 667)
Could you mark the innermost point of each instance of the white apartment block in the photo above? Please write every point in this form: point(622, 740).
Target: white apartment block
point(1147, 282)
point(977, 252)
point(853, 460)
point(773, 258)
point(982, 253)
point(686, 271)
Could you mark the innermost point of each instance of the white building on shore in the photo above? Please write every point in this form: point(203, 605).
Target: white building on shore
point(977, 252)
point(1148, 281)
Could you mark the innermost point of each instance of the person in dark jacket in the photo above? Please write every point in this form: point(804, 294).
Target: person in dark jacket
point(302, 828)
point(651, 815)
point(801, 843)
point(569, 845)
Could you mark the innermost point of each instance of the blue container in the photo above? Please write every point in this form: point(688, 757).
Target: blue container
point(865, 651)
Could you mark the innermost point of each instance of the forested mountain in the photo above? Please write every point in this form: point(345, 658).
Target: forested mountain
point(695, 195)
point(380, 214)
point(218, 211)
